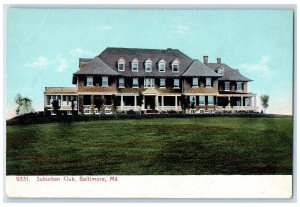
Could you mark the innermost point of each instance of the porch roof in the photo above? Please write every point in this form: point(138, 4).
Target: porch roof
point(61, 90)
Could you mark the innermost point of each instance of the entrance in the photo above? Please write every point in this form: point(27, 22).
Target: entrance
point(149, 102)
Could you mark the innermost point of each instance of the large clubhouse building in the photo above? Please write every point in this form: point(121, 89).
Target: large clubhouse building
point(160, 77)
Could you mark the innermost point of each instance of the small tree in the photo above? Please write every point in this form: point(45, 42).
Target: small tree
point(140, 101)
point(185, 104)
point(55, 106)
point(24, 105)
point(115, 102)
point(264, 102)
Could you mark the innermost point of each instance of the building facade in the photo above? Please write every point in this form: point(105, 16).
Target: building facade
point(152, 80)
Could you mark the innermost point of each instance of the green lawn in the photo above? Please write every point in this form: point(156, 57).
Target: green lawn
point(169, 146)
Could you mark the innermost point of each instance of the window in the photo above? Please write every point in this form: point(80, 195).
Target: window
point(227, 86)
point(135, 82)
point(208, 82)
point(148, 67)
point(202, 100)
point(48, 100)
point(134, 67)
point(87, 111)
point(162, 83)
point(96, 111)
point(104, 81)
point(89, 81)
point(193, 100)
point(162, 67)
point(176, 83)
point(195, 82)
point(220, 71)
point(175, 66)
point(149, 83)
point(121, 83)
point(239, 86)
point(210, 100)
point(121, 64)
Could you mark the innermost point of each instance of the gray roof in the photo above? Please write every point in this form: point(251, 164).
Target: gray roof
point(199, 69)
point(111, 56)
point(229, 73)
point(96, 66)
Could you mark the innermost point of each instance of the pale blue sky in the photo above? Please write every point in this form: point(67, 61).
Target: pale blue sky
point(43, 45)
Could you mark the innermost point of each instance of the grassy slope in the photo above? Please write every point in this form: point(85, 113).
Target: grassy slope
point(204, 145)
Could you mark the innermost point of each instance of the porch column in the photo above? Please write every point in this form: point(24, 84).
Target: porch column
point(122, 104)
point(162, 102)
point(61, 100)
point(242, 102)
point(134, 102)
point(229, 101)
point(176, 103)
point(143, 105)
point(92, 103)
point(156, 102)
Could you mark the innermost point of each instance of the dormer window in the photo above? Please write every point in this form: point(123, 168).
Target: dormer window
point(121, 64)
point(162, 65)
point(135, 65)
point(175, 66)
point(220, 71)
point(148, 65)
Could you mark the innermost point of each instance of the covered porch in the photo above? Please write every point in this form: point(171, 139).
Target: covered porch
point(236, 103)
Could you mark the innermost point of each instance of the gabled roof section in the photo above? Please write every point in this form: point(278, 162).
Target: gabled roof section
point(110, 56)
point(197, 69)
point(96, 67)
point(229, 73)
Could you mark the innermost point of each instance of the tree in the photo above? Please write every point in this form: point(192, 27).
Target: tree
point(115, 102)
point(24, 105)
point(185, 104)
point(55, 106)
point(140, 101)
point(264, 102)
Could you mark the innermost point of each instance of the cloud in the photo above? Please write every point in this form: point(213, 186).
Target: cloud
point(62, 64)
point(39, 63)
point(100, 27)
point(181, 29)
point(262, 67)
point(79, 52)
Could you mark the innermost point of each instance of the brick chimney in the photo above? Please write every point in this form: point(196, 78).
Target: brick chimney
point(219, 61)
point(205, 60)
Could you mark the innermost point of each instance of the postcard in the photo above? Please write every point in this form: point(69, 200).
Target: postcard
point(149, 103)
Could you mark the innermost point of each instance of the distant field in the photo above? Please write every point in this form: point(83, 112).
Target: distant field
point(169, 146)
